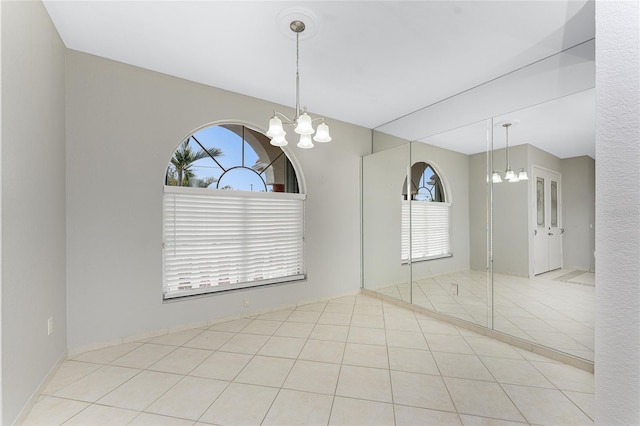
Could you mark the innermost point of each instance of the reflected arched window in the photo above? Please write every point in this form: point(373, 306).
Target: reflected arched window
point(233, 213)
point(426, 185)
point(425, 216)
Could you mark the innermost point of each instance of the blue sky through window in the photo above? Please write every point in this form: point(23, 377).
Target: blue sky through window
point(231, 145)
point(427, 185)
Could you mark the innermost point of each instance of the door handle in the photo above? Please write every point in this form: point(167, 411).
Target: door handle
point(535, 232)
point(550, 233)
point(561, 231)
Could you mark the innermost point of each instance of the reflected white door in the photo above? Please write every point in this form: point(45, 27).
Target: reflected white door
point(547, 240)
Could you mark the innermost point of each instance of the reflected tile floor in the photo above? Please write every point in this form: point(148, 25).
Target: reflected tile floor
point(349, 361)
point(556, 309)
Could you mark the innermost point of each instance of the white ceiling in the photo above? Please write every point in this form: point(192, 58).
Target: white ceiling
point(366, 63)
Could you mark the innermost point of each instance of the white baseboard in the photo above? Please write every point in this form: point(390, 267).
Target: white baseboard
point(36, 394)
point(72, 352)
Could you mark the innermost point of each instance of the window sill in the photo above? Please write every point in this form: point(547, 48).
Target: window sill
point(427, 258)
point(210, 291)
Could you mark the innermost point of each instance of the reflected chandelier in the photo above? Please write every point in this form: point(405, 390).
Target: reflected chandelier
point(303, 122)
point(509, 175)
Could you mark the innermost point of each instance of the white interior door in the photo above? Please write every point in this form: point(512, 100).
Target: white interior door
point(547, 240)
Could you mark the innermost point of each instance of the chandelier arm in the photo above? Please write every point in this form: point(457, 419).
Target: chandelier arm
point(285, 119)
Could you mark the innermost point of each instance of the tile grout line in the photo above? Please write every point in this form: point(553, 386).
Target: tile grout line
point(218, 350)
point(435, 362)
point(344, 350)
point(190, 371)
point(290, 370)
point(574, 403)
point(499, 384)
point(386, 341)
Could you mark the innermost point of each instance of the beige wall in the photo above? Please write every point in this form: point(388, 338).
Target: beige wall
point(538, 157)
point(123, 124)
point(478, 193)
point(33, 202)
point(510, 217)
point(578, 212)
point(382, 141)
point(383, 174)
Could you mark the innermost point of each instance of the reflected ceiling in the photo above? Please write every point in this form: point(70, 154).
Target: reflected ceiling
point(367, 63)
point(564, 127)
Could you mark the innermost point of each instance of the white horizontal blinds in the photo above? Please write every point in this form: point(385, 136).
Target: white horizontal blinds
point(217, 240)
point(406, 230)
point(429, 229)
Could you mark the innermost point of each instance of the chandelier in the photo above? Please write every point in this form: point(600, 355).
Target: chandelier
point(303, 123)
point(509, 175)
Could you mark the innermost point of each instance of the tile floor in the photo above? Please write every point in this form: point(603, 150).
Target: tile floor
point(556, 309)
point(349, 361)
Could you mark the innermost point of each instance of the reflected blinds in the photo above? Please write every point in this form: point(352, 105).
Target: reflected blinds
point(429, 229)
point(217, 240)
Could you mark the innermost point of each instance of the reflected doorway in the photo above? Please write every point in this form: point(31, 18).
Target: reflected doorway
point(547, 240)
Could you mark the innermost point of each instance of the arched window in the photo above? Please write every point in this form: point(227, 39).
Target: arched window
point(233, 213)
point(425, 216)
point(231, 156)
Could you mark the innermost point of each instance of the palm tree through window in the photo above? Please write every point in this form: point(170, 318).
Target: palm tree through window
point(233, 157)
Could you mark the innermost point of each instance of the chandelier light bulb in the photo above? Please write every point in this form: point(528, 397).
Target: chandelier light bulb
point(305, 142)
point(322, 134)
point(495, 178)
point(523, 175)
point(279, 140)
point(275, 128)
point(509, 175)
point(304, 126)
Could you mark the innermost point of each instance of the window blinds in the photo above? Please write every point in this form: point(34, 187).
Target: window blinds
point(428, 227)
point(218, 240)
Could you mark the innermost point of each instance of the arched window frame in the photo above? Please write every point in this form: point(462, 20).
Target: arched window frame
point(219, 240)
point(426, 223)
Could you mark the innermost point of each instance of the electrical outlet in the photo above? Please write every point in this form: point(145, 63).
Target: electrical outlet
point(245, 303)
point(454, 289)
point(49, 326)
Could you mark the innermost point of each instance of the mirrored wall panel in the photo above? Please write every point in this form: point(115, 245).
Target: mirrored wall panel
point(447, 188)
point(491, 223)
point(543, 225)
point(382, 231)
point(417, 217)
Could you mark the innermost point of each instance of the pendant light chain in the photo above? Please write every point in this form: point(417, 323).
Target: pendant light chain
point(297, 76)
point(507, 127)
